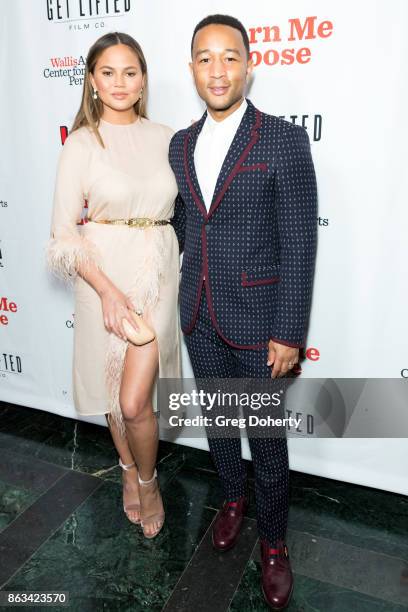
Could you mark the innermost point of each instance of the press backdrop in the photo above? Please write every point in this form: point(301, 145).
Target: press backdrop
point(336, 68)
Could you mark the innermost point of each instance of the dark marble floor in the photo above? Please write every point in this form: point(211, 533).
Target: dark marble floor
point(62, 528)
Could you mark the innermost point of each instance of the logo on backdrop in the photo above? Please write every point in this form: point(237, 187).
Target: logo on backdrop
point(86, 14)
point(3, 204)
point(311, 123)
point(7, 309)
point(287, 40)
point(1, 256)
point(10, 364)
point(70, 68)
point(306, 428)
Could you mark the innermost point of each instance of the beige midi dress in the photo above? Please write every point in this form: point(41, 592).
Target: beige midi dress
point(130, 177)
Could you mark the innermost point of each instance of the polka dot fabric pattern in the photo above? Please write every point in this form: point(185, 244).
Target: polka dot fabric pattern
point(256, 245)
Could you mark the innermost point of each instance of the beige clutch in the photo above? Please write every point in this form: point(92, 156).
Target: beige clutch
point(141, 337)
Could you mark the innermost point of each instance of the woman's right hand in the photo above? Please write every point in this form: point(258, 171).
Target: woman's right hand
point(115, 307)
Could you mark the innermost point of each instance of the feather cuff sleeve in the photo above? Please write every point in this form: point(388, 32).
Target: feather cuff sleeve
point(66, 255)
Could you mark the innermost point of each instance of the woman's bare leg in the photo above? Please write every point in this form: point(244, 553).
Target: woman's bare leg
point(129, 477)
point(139, 373)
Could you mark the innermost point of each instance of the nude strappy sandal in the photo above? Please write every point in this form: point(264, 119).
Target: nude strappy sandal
point(131, 507)
point(153, 518)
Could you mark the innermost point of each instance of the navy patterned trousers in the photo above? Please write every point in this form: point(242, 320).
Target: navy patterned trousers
point(211, 357)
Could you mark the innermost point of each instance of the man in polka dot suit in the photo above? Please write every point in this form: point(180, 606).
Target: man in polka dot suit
point(245, 218)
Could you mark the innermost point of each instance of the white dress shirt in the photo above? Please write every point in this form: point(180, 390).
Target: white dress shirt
point(212, 146)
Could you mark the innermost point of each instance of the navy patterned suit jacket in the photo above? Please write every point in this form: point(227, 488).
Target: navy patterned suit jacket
point(256, 245)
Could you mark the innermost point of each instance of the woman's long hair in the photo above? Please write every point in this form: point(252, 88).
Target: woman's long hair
point(90, 110)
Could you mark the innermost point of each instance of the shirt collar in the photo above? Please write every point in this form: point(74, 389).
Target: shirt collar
point(230, 123)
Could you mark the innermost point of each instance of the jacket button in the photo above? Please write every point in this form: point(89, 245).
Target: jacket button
point(207, 228)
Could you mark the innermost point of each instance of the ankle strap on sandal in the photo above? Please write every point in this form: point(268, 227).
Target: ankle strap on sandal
point(126, 466)
point(147, 482)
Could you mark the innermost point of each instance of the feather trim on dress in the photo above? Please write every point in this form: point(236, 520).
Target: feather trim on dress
point(115, 361)
point(148, 269)
point(143, 295)
point(66, 255)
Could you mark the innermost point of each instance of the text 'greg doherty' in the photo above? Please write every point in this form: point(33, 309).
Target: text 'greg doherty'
point(222, 398)
point(221, 421)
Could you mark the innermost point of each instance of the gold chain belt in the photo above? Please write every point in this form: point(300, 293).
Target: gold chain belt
point(135, 222)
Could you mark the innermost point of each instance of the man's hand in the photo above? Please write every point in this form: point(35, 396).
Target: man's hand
point(282, 357)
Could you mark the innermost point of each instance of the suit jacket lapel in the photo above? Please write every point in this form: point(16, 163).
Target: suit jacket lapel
point(190, 141)
point(244, 139)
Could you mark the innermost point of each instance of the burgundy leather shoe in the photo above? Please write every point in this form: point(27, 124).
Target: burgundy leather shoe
point(227, 524)
point(277, 577)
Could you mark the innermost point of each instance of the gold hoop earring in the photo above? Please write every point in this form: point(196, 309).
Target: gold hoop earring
point(141, 94)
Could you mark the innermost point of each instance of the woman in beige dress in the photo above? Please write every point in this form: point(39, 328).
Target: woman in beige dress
point(115, 159)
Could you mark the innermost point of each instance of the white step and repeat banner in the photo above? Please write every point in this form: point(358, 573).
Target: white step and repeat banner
point(338, 69)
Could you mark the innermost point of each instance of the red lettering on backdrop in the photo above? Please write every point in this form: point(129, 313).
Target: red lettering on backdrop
point(275, 30)
point(6, 306)
point(63, 133)
point(296, 26)
point(306, 29)
point(286, 58)
point(61, 62)
point(325, 29)
point(313, 354)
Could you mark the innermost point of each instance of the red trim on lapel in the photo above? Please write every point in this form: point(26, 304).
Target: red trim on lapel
point(235, 170)
point(196, 198)
point(211, 308)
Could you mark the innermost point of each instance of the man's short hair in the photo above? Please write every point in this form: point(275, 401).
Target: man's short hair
point(222, 20)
